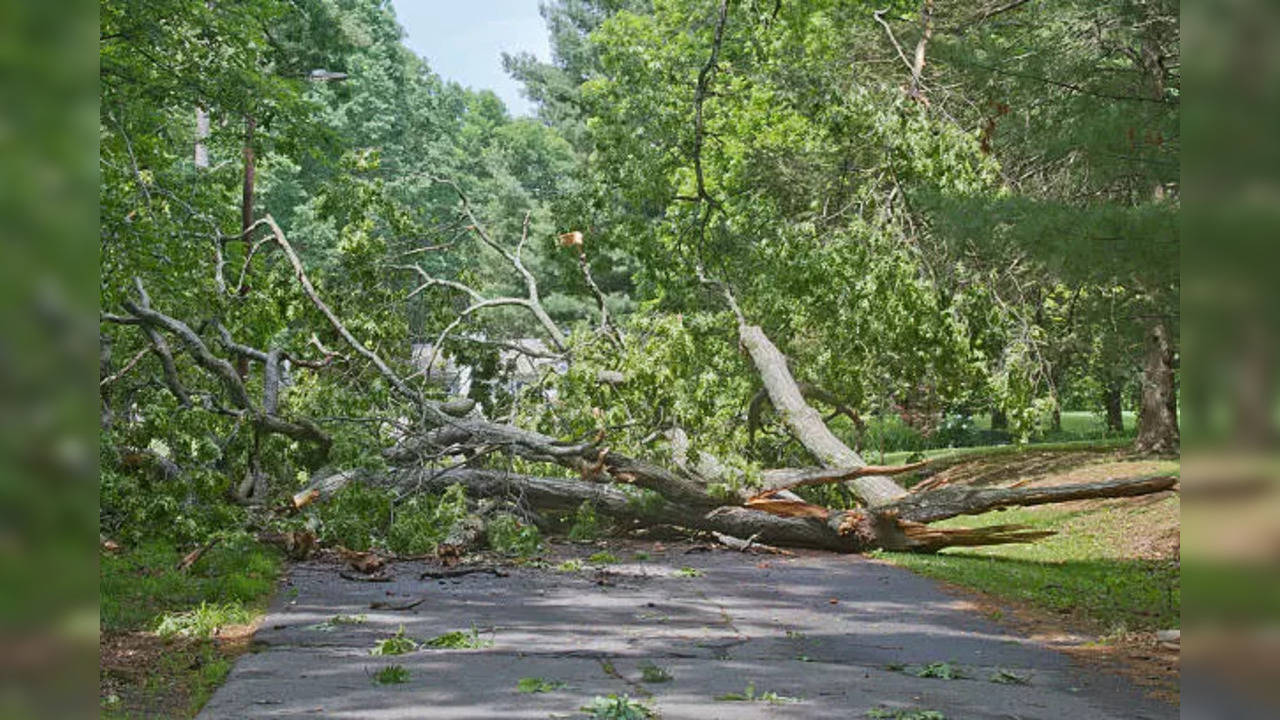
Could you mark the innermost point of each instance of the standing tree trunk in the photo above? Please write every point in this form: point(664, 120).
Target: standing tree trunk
point(999, 420)
point(1111, 400)
point(1158, 415)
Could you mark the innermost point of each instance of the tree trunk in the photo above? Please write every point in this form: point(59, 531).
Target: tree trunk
point(999, 420)
point(1111, 400)
point(1158, 415)
point(899, 526)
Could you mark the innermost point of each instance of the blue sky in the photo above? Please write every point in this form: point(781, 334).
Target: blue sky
point(464, 41)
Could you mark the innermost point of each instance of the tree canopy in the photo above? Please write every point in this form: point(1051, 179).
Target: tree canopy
point(913, 213)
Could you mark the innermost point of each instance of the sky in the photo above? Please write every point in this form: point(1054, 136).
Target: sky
point(464, 41)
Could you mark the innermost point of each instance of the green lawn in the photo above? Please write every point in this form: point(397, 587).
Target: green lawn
point(1087, 571)
point(139, 586)
point(1073, 421)
point(174, 671)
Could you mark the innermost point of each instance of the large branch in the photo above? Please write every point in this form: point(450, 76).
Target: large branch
point(792, 478)
point(533, 300)
point(301, 274)
point(952, 501)
point(810, 392)
point(224, 371)
point(559, 496)
point(806, 423)
point(591, 461)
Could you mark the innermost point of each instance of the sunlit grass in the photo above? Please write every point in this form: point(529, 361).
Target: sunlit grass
point(1085, 571)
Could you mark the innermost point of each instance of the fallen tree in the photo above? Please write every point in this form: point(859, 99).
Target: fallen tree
point(888, 517)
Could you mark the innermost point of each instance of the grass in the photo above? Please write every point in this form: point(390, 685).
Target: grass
point(391, 675)
point(165, 643)
point(689, 572)
point(1084, 571)
point(140, 585)
point(603, 558)
point(944, 456)
point(204, 621)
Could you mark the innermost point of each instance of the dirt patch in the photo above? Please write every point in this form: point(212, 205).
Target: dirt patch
point(141, 675)
point(1055, 466)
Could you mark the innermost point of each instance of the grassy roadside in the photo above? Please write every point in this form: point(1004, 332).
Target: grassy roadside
point(1112, 568)
point(169, 637)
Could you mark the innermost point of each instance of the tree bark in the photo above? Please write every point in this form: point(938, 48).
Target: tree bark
point(1112, 396)
point(899, 526)
point(806, 423)
point(1158, 415)
point(202, 135)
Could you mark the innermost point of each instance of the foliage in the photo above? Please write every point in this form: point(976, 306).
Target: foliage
point(459, 640)
point(940, 670)
point(569, 566)
point(586, 524)
point(360, 516)
point(338, 620)
point(603, 558)
point(537, 685)
point(883, 713)
point(397, 644)
point(391, 675)
point(1009, 677)
point(750, 695)
point(423, 521)
point(614, 707)
point(652, 673)
point(356, 517)
point(689, 572)
point(511, 537)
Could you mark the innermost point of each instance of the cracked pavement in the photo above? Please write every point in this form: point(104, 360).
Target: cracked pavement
point(764, 619)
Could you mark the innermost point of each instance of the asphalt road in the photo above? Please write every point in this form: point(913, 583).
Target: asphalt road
point(767, 620)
